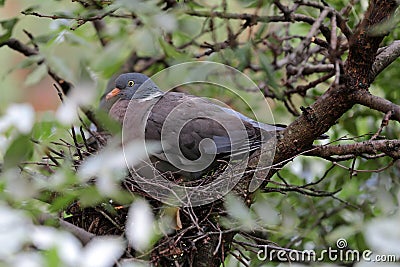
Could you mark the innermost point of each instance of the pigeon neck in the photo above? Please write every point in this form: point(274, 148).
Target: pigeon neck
point(148, 93)
point(152, 96)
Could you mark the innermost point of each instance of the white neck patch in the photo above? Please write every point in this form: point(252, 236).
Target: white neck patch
point(151, 96)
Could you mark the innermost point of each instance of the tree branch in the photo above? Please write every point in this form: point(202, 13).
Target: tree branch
point(81, 234)
point(377, 103)
point(386, 56)
point(390, 148)
point(28, 51)
point(328, 108)
point(364, 43)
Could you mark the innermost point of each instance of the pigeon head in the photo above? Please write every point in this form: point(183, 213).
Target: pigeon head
point(134, 86)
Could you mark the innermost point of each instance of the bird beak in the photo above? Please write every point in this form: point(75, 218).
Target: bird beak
point(113, 93)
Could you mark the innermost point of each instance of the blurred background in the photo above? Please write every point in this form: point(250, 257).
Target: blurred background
point(22, 80)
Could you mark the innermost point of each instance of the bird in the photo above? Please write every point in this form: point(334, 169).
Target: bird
point(196, 133)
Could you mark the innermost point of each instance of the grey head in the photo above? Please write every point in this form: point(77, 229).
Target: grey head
point(134, 86)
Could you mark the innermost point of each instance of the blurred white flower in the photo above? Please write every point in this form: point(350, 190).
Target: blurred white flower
point(68, 246)
point(110, 164)
point(102, 251)
point(19, 185)
point(240, 212)
point(383, 235)
point(166, 22)
point(4, 143)
point(56, 24)
point(27, 259)
point(81, 96)
point(140, 225)
point(20, 116)
point(15, 229)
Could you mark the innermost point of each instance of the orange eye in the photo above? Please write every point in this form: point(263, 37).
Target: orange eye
point(131, 83)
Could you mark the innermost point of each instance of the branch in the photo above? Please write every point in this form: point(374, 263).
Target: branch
point(385, 57)
point(377, 103)
point(78, 232)
point(320, 116)
point(251, 19)
point(364, 43)
point(80, 20)
point(310, 69)
point(390, 148)
point(28, 51)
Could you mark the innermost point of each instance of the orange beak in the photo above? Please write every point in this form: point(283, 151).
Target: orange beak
point(113, 93)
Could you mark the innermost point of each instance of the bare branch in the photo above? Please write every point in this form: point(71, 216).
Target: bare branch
point(390, 148)
point(377, 103)
point(386, 56)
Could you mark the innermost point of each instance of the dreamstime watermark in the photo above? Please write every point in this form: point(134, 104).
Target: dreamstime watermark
point(339, 254)
point(195, 132)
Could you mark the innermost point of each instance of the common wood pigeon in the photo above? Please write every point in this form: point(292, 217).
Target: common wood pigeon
point(195, 132)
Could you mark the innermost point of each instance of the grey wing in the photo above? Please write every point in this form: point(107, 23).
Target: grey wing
point(197, 119)
point(261, 125)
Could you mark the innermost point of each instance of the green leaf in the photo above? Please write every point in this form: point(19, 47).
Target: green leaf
point(59, 65)
point(244, 55)
point(255, 3)
point(8, 26)
point(52, 257)
point(269, 71)
point(239, 212)
point(43, 130)
point(169, 50)
point(31, 9)
point(26, 62)
point(37, 75)
point(2, 2)
point(194, 5)
point(90, 196)
point(350, 126)
point(62, 201)
point(45, 38)
point(108, 123)
point(21, 149)
point(108, 61)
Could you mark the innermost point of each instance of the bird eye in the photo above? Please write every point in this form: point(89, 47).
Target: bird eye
point(131, 83)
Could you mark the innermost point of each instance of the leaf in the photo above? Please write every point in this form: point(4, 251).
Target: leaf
point(244, 55)
point(238, 211)
point(27, 62)
point(31, 9)
point(166, 22)
point(43, 130)
point(46, 38)
point(89, 196)
point(168, 49)
point(36, 76)
point(19, 150)
point(2, 2)
point(266, 66)
point(384, 27)
point(108, 61)
point(193, 5)
point(60, 66)
point(350, 126)
point(61, 202)
point(255, 3)
point(8, 26)
point(108, 123)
